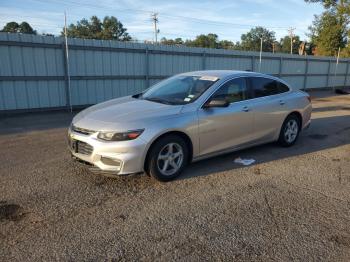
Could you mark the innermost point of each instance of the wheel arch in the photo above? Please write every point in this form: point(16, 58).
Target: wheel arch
point(181, 134)
point(298, 115)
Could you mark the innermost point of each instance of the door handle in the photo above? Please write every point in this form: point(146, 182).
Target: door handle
point(245, 109)
point(282, 102)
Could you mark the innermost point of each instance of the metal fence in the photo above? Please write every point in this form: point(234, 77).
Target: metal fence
point(34, 72)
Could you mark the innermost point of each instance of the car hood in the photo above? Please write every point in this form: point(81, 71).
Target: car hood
point(123, 113)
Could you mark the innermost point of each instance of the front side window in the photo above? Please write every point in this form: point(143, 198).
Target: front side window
point(233, 91)
point(179, 90)
point(264, 86)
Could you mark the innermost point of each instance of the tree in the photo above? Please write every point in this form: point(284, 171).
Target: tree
point(226, 44)
point(251, 40)
point(110, 29)
point(25, 28)
point(328, 34)
point(176, 41)
point(208, 41)
point(14, 27)
point(113, 29)
point(285, 44)
point(331, 26)
point(341, 7)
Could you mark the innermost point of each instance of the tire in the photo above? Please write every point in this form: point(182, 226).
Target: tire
point(164, 165)
point(290, 131)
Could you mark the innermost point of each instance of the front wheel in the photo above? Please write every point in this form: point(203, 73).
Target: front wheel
point(167, 158)
point(290, 131)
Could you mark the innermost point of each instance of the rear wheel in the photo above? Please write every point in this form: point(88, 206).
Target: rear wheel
point(290, 131)
point(167, 158)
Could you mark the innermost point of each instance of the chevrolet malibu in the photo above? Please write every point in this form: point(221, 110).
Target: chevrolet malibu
point(185, 118)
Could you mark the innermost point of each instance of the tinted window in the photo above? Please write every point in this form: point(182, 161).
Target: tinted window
point(264, 86)
point(282, 87)
point(233, 91)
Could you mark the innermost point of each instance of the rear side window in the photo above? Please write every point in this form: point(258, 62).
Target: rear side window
point(264, 86)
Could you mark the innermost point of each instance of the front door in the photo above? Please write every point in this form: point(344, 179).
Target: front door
point(222, 128)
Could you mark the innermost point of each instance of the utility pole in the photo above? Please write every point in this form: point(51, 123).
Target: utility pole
point(336, 69)
point(155, 20)
point(67, 60)
point(261, 45)
point(291, 35)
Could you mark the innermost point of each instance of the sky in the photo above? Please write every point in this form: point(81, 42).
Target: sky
point(177, 18)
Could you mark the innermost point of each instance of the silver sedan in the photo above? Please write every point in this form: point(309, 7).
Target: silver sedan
point(185, 118)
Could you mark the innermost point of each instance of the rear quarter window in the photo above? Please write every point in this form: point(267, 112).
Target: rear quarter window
point(282, 87)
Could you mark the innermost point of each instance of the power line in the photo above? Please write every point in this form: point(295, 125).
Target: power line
point(155, 17)
point(195, 20)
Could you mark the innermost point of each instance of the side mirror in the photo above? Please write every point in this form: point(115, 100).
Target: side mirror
point(216, 102)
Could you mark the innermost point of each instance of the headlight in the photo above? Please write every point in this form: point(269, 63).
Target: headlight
point(113, 136)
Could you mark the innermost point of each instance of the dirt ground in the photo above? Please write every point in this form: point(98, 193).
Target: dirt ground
point(293, 204)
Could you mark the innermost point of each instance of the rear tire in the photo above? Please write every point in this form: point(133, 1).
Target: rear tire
point(290, 131)
point(167, 158)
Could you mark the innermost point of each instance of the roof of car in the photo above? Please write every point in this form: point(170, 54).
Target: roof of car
point(225, 73)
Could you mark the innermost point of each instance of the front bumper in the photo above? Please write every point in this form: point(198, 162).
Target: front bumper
point(113, 158)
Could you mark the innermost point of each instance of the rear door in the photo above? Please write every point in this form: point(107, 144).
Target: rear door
point(226, 127)
point(269, 107)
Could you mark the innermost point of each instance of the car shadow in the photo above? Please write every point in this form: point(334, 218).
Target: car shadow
point(324, 133)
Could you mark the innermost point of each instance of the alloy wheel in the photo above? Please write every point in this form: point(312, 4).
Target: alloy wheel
point(170, 159)
point(291, 131)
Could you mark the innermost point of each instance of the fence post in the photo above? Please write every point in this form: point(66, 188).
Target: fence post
point(306, 72)
point(147, 67)
point(329, 72)
point(280, 68)
point(204, 60)
point(346, 74)
point(66, 80)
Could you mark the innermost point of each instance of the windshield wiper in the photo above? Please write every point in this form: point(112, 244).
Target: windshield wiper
point(159, 100)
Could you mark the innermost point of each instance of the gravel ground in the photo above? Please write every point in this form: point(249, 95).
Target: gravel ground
point(293, 204)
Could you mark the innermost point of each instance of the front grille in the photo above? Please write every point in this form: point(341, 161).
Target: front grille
point(81, 147)
point(84, 148)
point(82, 130)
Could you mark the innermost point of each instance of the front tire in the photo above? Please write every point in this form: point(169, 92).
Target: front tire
point(290, 131)
point(167, 158)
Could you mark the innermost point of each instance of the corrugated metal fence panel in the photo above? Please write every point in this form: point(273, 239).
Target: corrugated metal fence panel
point(33, 69)
point(30, 61)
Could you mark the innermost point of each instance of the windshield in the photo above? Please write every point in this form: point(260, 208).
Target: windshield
point(179, 90)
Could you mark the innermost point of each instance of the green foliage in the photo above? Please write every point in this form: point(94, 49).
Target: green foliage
point(251, 40)
point(14, 27)
point(176, 41)
point(208, 41)
point(109, 29)
point(285, 44)
point(330, 30)
point(226, 44)
point(328, 33)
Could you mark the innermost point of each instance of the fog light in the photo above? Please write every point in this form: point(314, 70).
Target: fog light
point(111, 162)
